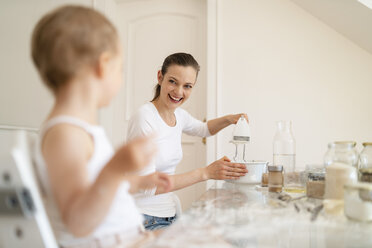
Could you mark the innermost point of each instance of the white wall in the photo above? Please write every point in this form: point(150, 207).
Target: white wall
point(277, 62)
point(24, 100)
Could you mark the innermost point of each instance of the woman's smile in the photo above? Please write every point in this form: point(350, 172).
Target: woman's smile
point(175, 99)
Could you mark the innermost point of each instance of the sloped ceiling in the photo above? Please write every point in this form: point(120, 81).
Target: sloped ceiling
point(348, 17)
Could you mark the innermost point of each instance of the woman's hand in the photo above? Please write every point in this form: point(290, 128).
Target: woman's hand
point(224, 169)
point(215, 125)
point(159, 180)
point(233, 119)
point(132, 156)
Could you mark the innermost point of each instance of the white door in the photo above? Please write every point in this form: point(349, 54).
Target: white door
point(150, 31)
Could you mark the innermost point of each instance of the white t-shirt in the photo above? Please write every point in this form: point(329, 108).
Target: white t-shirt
point(168, 139)
point(123, 216)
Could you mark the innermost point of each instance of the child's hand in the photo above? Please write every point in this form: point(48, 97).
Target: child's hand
point(224, 169)
point(159, 180)
point(133, 156)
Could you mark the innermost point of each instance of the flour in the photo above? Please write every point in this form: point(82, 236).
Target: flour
point(337, 175)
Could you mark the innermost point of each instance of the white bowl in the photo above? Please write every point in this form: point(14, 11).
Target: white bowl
point(254, 175)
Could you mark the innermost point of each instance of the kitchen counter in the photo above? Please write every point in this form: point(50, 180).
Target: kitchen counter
point(239, 215)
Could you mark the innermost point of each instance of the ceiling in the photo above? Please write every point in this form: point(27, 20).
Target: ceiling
point(348, 17)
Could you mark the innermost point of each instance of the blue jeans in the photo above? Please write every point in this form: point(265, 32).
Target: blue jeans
point(154, 223)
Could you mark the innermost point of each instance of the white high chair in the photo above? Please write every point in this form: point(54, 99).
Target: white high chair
point(23, 219)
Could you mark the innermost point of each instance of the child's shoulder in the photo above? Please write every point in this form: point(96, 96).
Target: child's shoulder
point(65, 139)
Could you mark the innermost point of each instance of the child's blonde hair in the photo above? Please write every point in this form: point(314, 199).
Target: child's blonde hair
point(68, 39)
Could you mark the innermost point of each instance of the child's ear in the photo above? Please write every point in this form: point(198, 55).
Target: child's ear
point(160, 77)
point(102, 66)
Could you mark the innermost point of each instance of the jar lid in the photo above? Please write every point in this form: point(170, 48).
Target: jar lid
point(366, 171)
point(275, 168)
point(359, 185)
point(364, 189)
point(342, 143)
point(367, 144)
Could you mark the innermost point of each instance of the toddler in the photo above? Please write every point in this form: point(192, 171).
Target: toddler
point(77, 54)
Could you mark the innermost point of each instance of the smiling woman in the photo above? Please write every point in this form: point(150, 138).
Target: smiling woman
point(176, 88)
point(164, 117)
point(182, 61)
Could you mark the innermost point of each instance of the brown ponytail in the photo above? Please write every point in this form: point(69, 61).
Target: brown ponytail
point(183, 59)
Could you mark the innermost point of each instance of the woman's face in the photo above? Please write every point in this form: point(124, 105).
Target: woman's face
point(176, 85)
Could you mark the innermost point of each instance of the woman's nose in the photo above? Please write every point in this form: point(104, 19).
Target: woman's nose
point(179, 91)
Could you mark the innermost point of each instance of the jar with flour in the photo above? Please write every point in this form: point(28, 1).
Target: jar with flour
point(341, 162)
point(337, 175)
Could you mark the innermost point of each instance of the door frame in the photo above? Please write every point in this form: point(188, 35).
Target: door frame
point(213, 82)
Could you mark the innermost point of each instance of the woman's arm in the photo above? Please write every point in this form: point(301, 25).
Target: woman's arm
point(219, 170)
point(83, 204)
point(215, 125)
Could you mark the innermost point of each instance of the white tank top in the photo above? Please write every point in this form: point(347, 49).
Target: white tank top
point(123, 216)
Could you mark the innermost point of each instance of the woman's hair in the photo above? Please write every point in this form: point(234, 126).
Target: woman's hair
point(183, 59)
point(68, 39)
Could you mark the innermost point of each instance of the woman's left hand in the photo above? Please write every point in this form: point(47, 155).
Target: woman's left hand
point(224, 169)
point(233, 119)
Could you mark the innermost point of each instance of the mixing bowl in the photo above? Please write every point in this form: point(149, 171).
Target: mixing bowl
point(255, 170)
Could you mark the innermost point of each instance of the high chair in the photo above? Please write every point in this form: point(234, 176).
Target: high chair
point(23, 219)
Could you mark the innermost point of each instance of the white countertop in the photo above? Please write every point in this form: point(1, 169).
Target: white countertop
point(239, 215)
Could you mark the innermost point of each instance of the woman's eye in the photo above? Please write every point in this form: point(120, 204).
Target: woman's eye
point(172, 81)
point(188, 86)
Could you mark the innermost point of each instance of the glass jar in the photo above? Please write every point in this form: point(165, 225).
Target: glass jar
point(275, 180)
point(341, 152)
point(358, 201)
point(315, 185)
point(265, 178)
point(365, 163)
point(284, 151)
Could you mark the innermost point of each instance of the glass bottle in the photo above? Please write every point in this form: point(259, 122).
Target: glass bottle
point(341, 152)
point(365, 163)
point(284, 151)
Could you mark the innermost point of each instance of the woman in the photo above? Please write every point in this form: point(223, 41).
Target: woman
point(164, 117)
